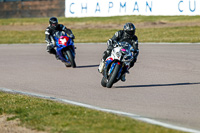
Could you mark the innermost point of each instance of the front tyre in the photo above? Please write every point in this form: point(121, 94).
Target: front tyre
point(103, 82)
point(113, 76)
point(71, 58)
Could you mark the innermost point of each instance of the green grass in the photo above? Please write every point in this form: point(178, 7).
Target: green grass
point(164, 34)
point(101, 20)
point(13, 37)
point(175, 34)
point(172, 34)
point(50, 116)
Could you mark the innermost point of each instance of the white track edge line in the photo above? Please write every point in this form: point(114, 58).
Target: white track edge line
point(134, 116)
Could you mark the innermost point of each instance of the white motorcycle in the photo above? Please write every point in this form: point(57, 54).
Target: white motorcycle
point(116, 64)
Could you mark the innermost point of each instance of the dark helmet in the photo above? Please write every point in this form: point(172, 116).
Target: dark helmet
point(129, 28)
point(53, 21)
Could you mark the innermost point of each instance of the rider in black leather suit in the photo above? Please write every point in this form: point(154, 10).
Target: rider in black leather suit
point(125, 35)
point(50, 30)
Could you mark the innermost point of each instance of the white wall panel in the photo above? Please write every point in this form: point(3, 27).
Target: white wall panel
point(99, 8)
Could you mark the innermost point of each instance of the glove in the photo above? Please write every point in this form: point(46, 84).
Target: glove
point(136, 53)
point(109, 42)
point(134, 59)
point(50, 45)
point(72, 36)
point(132, 63)
point(115, 43)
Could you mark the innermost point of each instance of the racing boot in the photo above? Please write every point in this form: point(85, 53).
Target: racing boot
point(57, 57)
point(101, 66)
point(102, 63)
point(123, 77)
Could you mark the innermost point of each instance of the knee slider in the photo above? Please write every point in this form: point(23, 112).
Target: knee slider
point(49, 48)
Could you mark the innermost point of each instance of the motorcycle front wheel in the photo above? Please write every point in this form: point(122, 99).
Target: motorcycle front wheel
point(113, 76)
point(103, 82)
point(71, 58)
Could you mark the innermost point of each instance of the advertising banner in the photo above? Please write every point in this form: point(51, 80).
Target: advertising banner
point(106, 8)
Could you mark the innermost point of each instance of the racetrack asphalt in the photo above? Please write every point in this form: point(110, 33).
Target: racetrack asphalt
point(163, 85)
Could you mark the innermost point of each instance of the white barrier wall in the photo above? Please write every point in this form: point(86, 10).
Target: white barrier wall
point(100, 8)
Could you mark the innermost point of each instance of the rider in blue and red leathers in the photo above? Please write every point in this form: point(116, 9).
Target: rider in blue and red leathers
point(50, 31)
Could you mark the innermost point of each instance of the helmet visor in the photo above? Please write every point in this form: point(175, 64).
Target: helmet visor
point(53, 25)
point(131, 32)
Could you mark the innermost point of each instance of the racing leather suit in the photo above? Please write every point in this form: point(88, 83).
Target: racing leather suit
point(122, 36)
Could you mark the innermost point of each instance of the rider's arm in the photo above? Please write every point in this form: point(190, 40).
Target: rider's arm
point(115, 38)
point(68, 31)
point(136, 49)
point(135, 43)
point(47, 36)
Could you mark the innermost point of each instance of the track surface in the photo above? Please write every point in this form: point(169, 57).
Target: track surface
point(163, 85)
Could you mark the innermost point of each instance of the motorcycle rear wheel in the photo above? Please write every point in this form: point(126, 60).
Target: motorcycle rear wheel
point(113, 76)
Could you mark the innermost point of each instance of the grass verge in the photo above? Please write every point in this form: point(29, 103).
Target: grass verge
point(50, 116)
point(188, 34)
point(100, 20)
point(175, 34)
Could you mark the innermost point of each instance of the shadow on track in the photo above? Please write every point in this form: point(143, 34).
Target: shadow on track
point(87, 66)
point(156, 85)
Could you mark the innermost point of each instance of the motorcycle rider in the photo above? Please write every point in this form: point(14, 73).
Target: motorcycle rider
point(125, 35)
point(50, 30)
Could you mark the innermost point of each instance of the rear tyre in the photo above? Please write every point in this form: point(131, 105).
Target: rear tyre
point(113, 76)
point(71, 58)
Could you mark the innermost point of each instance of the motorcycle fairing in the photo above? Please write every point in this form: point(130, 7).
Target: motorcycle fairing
point(64, 40)
point(61, 47)
point(109, 66)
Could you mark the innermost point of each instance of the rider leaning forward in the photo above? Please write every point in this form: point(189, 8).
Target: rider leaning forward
point(125, 35)
point(51, 30)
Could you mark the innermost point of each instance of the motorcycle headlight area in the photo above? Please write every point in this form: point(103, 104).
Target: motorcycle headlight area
point(127, 58)
point(118, 54)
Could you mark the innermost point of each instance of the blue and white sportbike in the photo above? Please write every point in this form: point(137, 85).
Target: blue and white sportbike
point(117, 63)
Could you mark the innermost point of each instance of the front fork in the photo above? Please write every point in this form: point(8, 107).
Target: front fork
point(110, 67)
